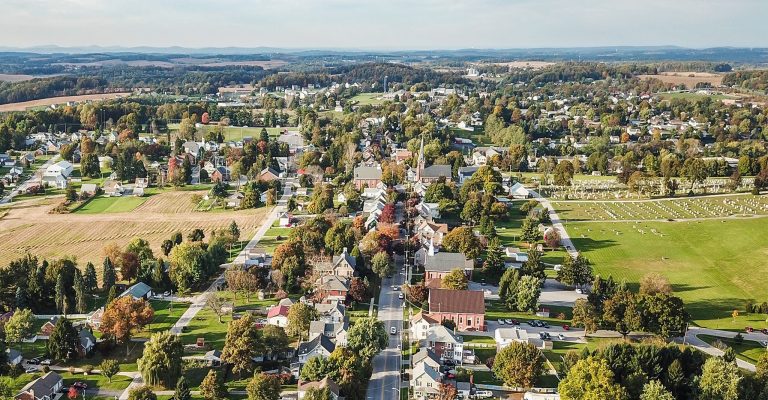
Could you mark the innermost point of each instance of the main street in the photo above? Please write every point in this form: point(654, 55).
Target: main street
point(385, 381)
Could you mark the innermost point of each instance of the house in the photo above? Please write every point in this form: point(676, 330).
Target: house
point(29, 157)
point(55, 181)
point(425, 355)
point(429, 211)
point(438, 265)
point(465, 173)
point(213, 358)
point(268, 175)
point(94, 319)
point(518, 191)
point(138, 291)
point(332, 288)
point(420, 324)
point(506, 336)
point(284, 219)
point(429, 232)
point(445, 344)
point(278, 316)
point(342, 265)
point(220, 174)
point(43, 388)
point(332, 312)
point(367, 177)
point(86, 342)
point(333, 388)
point(320, 346)
point(113, 188)
point(89, 189)
point(425, 381)
point(63, 168)
point(466, 308)
point(234, 200)
point(433, 173)
point(192, 148)
point(141, 183)
point(337, 332)
point(14, 356)
point(48, 326)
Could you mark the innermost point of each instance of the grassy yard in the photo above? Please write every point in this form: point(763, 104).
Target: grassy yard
point(166, 315)
point(748, 350)
point(495, 310)
point(270, 241)
point(714, 265)
point(97, 381)
point(102, 205)
point(363, 99)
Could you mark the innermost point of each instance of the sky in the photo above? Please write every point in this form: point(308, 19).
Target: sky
point(384, 24)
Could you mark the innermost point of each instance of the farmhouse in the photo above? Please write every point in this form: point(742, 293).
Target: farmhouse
point(63, 168)
point(420, 324)
point(55, 181)
point(425, 381)
point(320, 346)
point(337, 332)
point(113, 188)
point(89, 189)
point(445, 344)
point(342, 265)
point(466, 308)
point(332, 288)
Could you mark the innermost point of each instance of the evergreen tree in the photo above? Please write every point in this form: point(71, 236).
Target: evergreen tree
point(494, 261)
point(22, 300)
point(62, 344)
point(90, 281)
point(112, 295)
point(182, 391)
point(61, 295)
point(534, 267)
point(108, 275)
point(81, 297)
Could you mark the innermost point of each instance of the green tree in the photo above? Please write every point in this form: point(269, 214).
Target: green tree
point(212, 388)
point(528, 292)
point(318, 394)
point(494, 260)
point(663, 314)
point(263, 387)
point(241, 344)
point(533, 266)
point(6, 388)
point(367, 337)
point(519, 364)
point(189, 264)
point(62, 302)
point(90, 282)
point(695, 169)
point(530, 230)
point(109, 368)
point(63, 341)
point(382, 265)
point(108, 275)
point(19, 326)
point(315, 369)
point(564, 173)
point(462, 240)
point(654, 390)
point(299, 317)
point(182, 391)
point(81, 297)
point(575, 271)
point(719, 380)
point(589, 379)
point(142, 393)
point(585, 315)
point(508, 288)
point(160, 365)
point(621, 312)
point(455, 280)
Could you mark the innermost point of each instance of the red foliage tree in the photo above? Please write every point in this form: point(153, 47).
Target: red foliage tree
point(205, 118)
point(387, 214)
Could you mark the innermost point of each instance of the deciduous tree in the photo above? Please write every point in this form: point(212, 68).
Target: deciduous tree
point(212, 388)
point(263, 387)
point(591, 378)
point(241, 344)
point(125, 316)
point(519, 364)
point(109, 368)
point(367, 337)
point(160, 365)
point(455, 280)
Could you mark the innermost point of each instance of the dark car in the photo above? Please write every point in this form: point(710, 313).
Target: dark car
point(515, 322)
point(80, 385)
point(545, 325)
point(749, 329)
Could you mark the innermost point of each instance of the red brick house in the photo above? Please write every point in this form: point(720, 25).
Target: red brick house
point(438, 265)
point(466, 308)
point(268, 175)
point(367, 177)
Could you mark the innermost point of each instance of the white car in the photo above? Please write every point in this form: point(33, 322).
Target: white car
point(45, 362)
point(561, 336)
point(483, 394)
point(400, 296)
point(579, 291)
point(393, 331)
point(30, 370)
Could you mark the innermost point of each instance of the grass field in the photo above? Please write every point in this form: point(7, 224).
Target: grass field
point(689, 79)
point(364, 99)
point(682, 208)
point(111, 205)
point(748, 350)
point(713, 265)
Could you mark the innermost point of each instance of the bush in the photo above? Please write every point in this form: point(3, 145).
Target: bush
point(738, 339)
point(87, 369)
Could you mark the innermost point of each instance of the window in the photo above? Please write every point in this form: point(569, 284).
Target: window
point(469, 321)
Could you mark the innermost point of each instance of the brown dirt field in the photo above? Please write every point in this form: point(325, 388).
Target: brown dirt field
point(689, 79)
point(27, 227)
point(22, 106)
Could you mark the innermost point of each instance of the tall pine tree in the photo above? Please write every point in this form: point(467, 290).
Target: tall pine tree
point(81, 297)
point(90, 281)
point(108, 275)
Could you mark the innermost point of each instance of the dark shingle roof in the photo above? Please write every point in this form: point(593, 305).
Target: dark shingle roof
point(447, 262)
point(457, 301)
point(436, 171)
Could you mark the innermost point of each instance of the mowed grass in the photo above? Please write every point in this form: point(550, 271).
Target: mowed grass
point(713, 265)
point(748, 350)
point(363, 99)
point(101, 205)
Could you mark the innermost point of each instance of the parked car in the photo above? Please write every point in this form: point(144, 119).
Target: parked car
point(508, 321)
point(536, 322)
point(579, 291)
point(45, 362)
point(450, 376)
point(30, 370)
point(566, 327)
point(515, 322)
point(561, 336)
point(501, 322)
point(400, 296)
point(764, 331)
point(80, 385)
point(749, 329)
point(545, 325)
point(392, 331)
point(449, 363)
point(483, 394)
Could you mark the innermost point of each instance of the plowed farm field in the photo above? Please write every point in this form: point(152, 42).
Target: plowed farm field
point(27, 227)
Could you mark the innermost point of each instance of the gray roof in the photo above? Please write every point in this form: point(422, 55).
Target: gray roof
point(367, 173)
point(345, 256)
point(320, 341)
point(332, 282)
point(447, 262)
point(13, 354)
point(436, 171)
point(423, 354)
point(323, 328)
point(468, 171)
point(43, 385)
point(138, 290)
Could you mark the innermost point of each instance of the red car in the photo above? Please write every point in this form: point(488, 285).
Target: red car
point(450, 376)
point(749, 329)
point(566, 327)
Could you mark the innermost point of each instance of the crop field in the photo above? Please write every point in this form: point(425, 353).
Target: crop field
point(111, 205)
point(689, 79)
point(682, 208)
point(29, 228)
point(713, 265)
point(22, 106)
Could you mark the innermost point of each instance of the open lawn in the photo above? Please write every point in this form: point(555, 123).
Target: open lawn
point(29, 228)
point(363, 99)
point(713, 265)
point(97, 381)
point(122, 204)
point(681, 208)
point(748, 350)
point(496, 309)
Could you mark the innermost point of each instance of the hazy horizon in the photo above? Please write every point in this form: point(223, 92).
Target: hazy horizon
point(383, 24)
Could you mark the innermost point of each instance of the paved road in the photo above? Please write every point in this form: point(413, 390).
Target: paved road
point(565, 240)
point(691, 337)
point(385, 380)
point(20, 187)
point(198, 302)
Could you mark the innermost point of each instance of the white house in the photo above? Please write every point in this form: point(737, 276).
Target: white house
point(425, 381)
point(518, 191)
point(506, 336)
point(278, 316)
point(420, 324)
point(63, 168)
